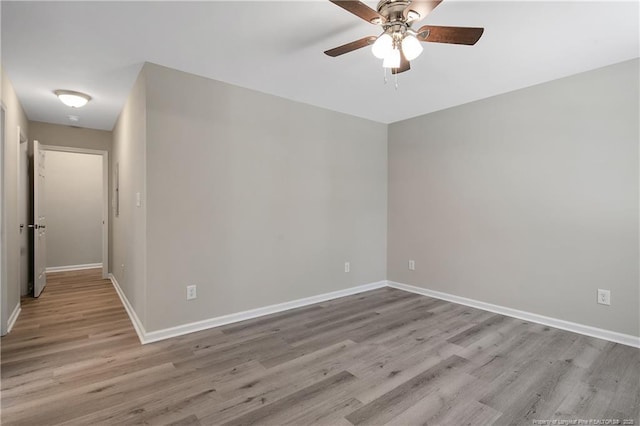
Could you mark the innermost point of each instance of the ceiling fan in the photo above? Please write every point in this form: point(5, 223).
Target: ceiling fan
point(399, 43)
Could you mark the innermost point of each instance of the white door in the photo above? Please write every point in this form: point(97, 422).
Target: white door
point(23, 209)
point(39, 221)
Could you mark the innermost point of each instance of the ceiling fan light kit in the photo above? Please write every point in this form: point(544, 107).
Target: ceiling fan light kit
point(382, 46)
point(399, 43)
point(411, 47)
point(392, 59)
point(388, 46)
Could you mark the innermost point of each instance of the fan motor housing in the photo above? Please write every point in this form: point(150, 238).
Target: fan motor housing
point(393, 10)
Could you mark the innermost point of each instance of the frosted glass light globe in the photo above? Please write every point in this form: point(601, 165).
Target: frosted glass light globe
point(411, 47)
point(392, 60)
point(382, 46)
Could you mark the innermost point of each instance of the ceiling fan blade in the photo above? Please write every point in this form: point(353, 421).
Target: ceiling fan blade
point(349, 47)
point(361, 10)
point(453, 35)
point(422, 7)
point(404, 65)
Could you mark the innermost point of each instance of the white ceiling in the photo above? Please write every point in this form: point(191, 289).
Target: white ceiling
point(277, 48)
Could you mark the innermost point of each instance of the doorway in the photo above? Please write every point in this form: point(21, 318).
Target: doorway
point(76, 200)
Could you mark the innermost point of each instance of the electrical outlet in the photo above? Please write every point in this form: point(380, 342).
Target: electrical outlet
point(604, 297)
point(347, 266)
point(412, 265)
point(191, 292)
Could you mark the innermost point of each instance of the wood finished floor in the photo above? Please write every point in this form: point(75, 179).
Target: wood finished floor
point(380, 357)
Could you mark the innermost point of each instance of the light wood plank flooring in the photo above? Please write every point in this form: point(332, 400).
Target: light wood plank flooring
point(380, 357)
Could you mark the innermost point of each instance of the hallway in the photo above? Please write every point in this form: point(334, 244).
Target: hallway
point(65, 340)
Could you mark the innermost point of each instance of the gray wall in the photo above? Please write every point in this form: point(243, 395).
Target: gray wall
point(255, 199)
point(77, 137)
point(527, 200)
point(10, 269)
point(73, 205)
point(128, 229)
point(71, 137)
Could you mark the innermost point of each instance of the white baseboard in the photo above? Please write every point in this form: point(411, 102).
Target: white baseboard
point(167, 333)
point(154, 336)
point(137, 324)
point(73, 267)
point(14, 316)
point(612, 336)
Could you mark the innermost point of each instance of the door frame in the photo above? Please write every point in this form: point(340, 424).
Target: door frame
point(105, 196)
point(21, 197)
point(3, 228)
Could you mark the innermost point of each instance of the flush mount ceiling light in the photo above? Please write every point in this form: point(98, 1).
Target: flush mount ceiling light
point(72, 99)
point(399, 43)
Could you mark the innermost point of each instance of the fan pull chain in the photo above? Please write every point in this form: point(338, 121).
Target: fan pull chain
point(396, 82)
point(385, 75)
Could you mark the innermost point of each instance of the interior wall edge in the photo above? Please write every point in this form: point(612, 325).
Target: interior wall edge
point(13, 317)
point(135, 320)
